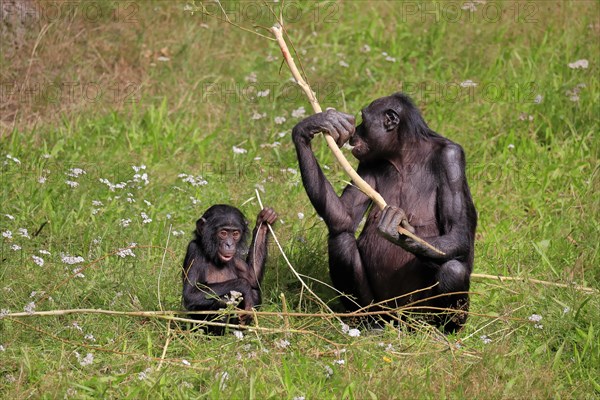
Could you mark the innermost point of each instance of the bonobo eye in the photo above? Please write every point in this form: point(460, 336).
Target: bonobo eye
point(223, 234)
point(236, 235)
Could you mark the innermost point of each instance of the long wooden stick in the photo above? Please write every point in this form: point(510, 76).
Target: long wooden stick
point(277, 30)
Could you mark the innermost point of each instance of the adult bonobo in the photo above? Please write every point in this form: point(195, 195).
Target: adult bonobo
point(421, 175)
point(214, 266)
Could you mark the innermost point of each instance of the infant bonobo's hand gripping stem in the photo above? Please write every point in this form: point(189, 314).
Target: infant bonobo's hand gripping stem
point(277, 30)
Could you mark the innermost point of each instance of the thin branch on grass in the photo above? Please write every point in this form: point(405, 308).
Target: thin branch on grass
point(541, 282)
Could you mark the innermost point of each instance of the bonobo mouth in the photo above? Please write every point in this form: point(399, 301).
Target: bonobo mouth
point(226, 257)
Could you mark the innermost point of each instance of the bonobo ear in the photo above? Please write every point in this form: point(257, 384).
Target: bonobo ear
point(199, 225)
point(391, 120)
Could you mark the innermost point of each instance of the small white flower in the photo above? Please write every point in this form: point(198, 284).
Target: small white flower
point(344, 64)
point(257, 116)
point(328, 371)
point(485, 339)
point(145, 218)
point(76, 326)
point(345, 328)
point(9, 217)
point(566, 310)
point(7, 234)
point(46, 252)
point(282, 134)
point(339, 362)
point(38, 260)
point(77, 272)
point(47, 156)
point(178, 233)
point(354, 332)
point(163, 59)
point(390, 59)
point(90, 337)
point(76, 172)
point(2, 348)
point(148, 203)
point(238, 150)
point(252, 78)
point(23, 232)
point(468, 83)
point(72, 184)
point(511, 146)
point(67, 259)
point(297, 113)
point(538, 99)
point(535, 318)
point(42, 179)
point(4, 312)
point(97, 203)
point(263, 93)
point(13, 159)
point(279, 120)
point(125, 252)
point(282, 344)
point(144, 374)
point(365, 48)
point(239, 335)
point(185, 362)
point(85, 361)
point(193, 180)
point(15, 247)
point(579, 64)
point(29, 308)
point(125, 222)
point(300, 215)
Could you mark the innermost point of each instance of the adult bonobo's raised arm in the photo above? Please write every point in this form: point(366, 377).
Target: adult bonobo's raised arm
point(421, 175)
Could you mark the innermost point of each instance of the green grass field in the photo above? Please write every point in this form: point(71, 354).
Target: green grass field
point(135, 94)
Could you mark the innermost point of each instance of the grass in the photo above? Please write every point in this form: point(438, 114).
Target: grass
point(532, 168)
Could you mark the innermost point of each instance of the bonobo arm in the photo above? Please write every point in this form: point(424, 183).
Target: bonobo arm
point(454, 208)
point(257, 253)
point(334, 211)
point(200, 295)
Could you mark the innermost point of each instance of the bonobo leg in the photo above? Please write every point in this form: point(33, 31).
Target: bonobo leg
point(347, 271)
point(453, 276)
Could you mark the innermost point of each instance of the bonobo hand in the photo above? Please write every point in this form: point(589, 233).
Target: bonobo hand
point(390, 219)
point(337, 124)
point(267, 215)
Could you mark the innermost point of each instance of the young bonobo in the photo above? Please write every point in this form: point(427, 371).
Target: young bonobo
point(421, 175)
point(214, 266)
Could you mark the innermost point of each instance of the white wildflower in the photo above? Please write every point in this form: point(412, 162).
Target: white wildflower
point(390, 59)
point(85, 361)
point(538, 99)
point(7, 234)
point(300, 215)
point(23, 232)
point(9, 217)
point(511, 146)
point(144, 374)
point(344, 64)
point(279, 120)
point(76, 326)
point(238, 150)
point(535, 318)
point(223, 377)
point(328, 371)
point(77, 272)
point(148, 203)
point(345, 328)
point(29, 308)
point(76, 172)
point(339, 362)
point(468, 83)
point(263, 93)
point(145, 218)
point(38, 260)
point(365, 48)
point(67, 259)
point(282, 344)
point(185, 362)
point(97, 203)
point(46, 252)
point(141, 178)
point(13, 159)
point(485, 339)
point(2, 348)
point(282, 134)
point(72, 184)
point(125, 252)
point(239, 335)
point(95, 211)
point(298, 398)
point(15, 247)
point(579, 64)
point(90, 337)
point(566, 310)
point(125, 222)
point(194, 200)
point(4, 312)
point(353, 332)
point(178, 233)
point(252, 78)
point(193, 180)
point(257, 115)
point(42, 179)
point(297, 113)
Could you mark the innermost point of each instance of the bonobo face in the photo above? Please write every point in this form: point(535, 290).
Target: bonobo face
point(376, 137)
point(228, 238)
